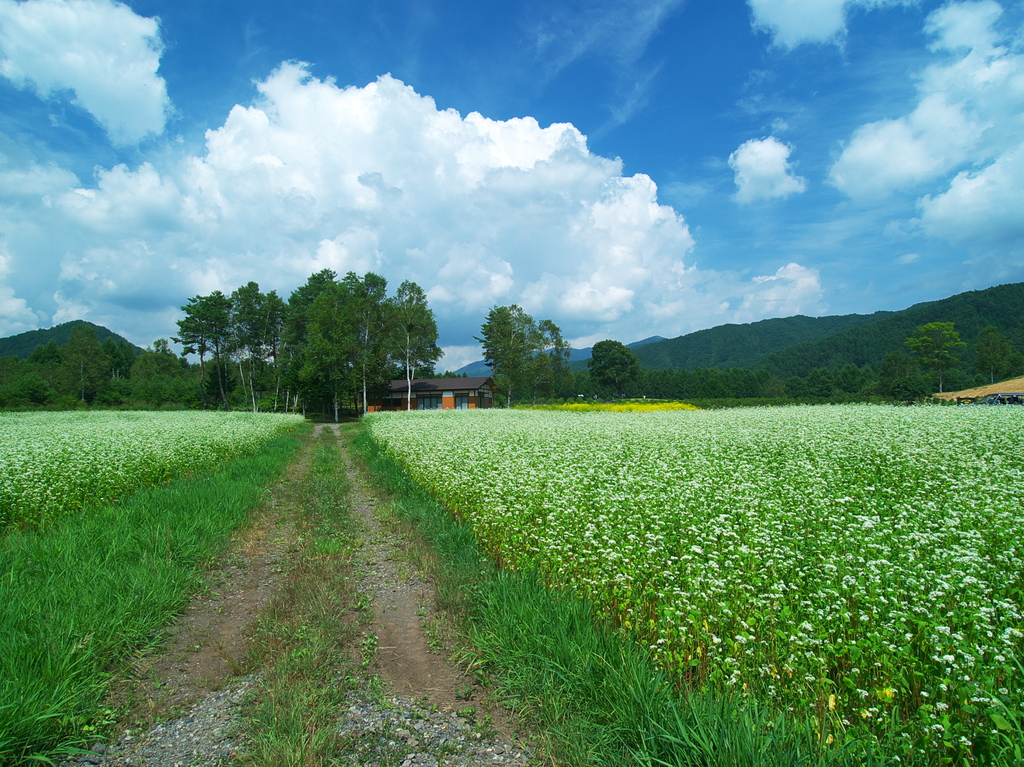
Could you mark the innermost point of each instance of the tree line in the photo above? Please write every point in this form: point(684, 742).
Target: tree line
point(334, 344)
point(929, 363)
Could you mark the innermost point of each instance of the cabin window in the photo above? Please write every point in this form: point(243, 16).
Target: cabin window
point(462, 402)
point(428, 402)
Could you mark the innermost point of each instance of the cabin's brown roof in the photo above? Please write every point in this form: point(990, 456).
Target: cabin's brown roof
point(439, 384)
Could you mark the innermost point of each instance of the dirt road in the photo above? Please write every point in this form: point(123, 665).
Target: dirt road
point(413, 707)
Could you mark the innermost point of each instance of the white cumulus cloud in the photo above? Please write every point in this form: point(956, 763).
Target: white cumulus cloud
point(762, 171)
point(99, 49)
point(793, 289)
point(962, 137)
point(313, 176)
point(887, 155)
point(794, 22)
point(980, 206)
point(15, 314)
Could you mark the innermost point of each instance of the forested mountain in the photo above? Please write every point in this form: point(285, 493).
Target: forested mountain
point(793, 346)
point(869, 343)
point(743, 346)
point(23, 344)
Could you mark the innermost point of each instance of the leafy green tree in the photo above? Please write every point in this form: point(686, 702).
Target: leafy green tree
point(796, 387)
point(33, 388)
point(551, 361)
point(413, 333)
point(933, 344)
point(159, 375)
point(895, 365)
point(327, 370)
point(256, 325)
point(84, 363)
point(774, 388)
point(990, 352)
point(370, 320)
point(158, 362)
point(909, 388)
point(613, 364)
point(294, 351)
point(510, 339)
point(206, 329)
point(1014, 364)
point(850, 379)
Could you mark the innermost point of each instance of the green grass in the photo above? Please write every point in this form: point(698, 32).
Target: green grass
point(303, 639)
point(594, 695)
point(80, 597)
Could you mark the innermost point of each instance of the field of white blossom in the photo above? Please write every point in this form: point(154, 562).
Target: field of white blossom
point(861, 563)
point(54, 463)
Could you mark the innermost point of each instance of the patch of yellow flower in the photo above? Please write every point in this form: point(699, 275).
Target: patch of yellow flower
point(614, 407)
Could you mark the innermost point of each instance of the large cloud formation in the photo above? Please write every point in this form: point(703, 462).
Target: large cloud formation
point(962, 140)
point(479, 212)
point(100, 50)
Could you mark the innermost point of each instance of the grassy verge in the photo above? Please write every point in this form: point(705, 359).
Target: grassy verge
point(594, 693)
point(303, 640)
point(81, 596)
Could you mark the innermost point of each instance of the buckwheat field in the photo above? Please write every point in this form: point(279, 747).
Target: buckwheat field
point(52, 464)
point(863, 565)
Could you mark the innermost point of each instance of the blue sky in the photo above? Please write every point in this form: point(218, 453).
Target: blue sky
point(624, 168)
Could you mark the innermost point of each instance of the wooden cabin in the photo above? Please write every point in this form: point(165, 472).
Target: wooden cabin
point(437, 394)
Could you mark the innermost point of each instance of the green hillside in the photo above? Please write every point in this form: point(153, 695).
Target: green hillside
point(793, 346)
point(1001, 306)
point(743, 346)
point(23, 344)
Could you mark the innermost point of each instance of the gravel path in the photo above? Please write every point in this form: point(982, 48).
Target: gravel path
point(428, 715)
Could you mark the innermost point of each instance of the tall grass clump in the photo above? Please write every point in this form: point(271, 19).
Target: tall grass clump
point(79, 597)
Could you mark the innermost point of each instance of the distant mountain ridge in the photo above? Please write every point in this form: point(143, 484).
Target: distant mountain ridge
point(793, 346)
point(23, 344)
point(1001, 306)
point(744, 346)
point(480, 368)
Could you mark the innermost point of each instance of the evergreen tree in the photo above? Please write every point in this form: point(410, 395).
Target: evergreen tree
point(821, 382)
point(48, 353)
